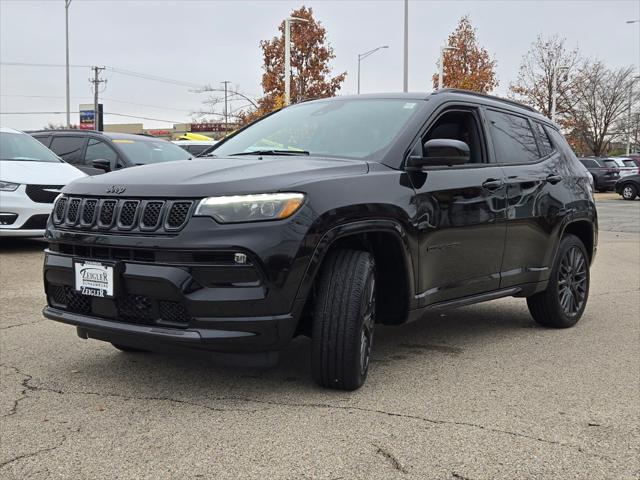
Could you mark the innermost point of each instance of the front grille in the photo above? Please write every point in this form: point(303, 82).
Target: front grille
point(122, 215)
point(130, 308)
point(43, 193)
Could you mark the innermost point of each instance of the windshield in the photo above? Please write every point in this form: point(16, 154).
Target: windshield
point(143, 152)
point(358, 129)
point(20, 147)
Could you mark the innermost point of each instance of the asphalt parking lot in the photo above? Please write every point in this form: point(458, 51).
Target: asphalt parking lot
point(475, 393)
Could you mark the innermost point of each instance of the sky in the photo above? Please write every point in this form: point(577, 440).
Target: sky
point(207, 42)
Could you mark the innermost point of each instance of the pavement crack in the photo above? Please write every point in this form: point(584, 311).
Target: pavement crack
point(434, 421)
point(20, 325)
point(460, 476)
point(395, 463)
point(34, 454)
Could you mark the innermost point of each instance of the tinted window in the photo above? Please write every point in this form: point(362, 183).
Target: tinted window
point(590, 163)
point(513, 139)
point(462, 126)
point(610, 163)
point(44, 139)
point(68, 148)
point(629, 163)
point(543, 140)
point(99, 150)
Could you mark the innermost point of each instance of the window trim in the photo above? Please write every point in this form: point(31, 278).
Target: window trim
point(535, 136)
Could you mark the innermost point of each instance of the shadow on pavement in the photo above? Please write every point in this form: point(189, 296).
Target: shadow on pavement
point(22, 245)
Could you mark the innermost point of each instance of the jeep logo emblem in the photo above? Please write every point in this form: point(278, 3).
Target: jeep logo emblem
point(115, 189)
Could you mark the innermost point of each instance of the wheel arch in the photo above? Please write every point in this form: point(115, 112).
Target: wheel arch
point(387, 241)
point(585, 231)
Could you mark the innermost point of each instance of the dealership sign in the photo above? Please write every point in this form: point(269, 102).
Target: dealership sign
point(88, 117)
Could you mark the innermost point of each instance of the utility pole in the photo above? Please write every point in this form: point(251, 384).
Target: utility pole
point(629, 113)
point(405, 84)
point(96, 87)
point(226, 109)
point(66, 34)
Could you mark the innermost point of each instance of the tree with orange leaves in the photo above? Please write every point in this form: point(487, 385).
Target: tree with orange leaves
point(310, 65)
point(469, 66)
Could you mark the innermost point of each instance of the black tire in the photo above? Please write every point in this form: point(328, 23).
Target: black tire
point(563, 302)
point(124, 348)
point(343, 320)
point(629, 191)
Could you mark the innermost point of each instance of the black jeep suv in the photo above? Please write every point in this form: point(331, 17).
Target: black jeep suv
point(323, 219)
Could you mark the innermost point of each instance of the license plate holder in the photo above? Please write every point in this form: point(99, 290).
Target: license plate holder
point(94, 278)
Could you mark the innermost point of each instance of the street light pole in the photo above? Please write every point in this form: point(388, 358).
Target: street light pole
point(66, 32)
point(633, 80)
point(362, 56)
point(405, 81)
point(441, 64)
point(554, 90)
point(287, 56)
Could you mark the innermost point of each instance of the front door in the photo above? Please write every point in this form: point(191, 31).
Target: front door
point(461, 214)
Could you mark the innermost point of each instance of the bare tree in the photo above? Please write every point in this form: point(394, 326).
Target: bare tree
point(534, 85)
point(601, 98)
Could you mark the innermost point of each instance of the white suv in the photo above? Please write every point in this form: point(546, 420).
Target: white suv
point(31, 177)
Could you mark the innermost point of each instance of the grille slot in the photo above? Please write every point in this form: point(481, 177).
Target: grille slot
point(73, 211)
point(178, 214)
point(107, 213)
point(151, 215)
point(135, 308)
point(128, 214)
point(88, 212)
point(39, 193)
point(58, 212)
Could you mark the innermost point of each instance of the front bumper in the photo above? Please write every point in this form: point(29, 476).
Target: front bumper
point(209, 305)
point(31, 216)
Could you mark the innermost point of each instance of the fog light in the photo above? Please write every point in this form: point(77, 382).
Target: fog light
point(240, 258)
point(8, 218)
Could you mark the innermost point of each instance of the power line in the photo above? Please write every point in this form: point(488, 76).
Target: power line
point(105, 113)
point(27, 64)
point(126, 102)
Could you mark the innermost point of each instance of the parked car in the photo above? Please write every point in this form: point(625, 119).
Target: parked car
point(625, 169)
point(31, 177)
point(195, 147)
point(323, 219)
point(99, 152)
point(628, 186)
point(633, 163)
point(604, 176)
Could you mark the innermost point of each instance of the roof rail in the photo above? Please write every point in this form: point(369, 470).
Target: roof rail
point(484, 95)
point(74, 130)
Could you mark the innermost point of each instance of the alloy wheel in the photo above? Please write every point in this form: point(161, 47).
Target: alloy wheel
point(572, 281)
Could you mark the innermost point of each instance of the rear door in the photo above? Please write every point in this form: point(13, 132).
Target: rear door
point(536, 194)
point(461, 213)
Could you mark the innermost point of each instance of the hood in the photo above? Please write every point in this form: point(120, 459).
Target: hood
point(38, 173)
point(216, 176)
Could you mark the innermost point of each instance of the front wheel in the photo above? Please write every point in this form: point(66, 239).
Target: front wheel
point(629, 192)
point(343, 320)
point(561, 305)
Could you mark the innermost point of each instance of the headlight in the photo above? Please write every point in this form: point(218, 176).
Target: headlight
point(8, 186)
point(250, 208)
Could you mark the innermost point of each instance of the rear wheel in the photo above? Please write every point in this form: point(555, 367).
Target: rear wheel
point(629, 191)
point(343, 320)
point(124, 348)
point(561, 305)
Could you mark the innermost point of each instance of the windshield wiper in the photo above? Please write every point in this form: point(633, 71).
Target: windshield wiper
point(272, 152)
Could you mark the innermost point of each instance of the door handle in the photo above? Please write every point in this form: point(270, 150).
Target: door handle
point(554, 178)
point(492, 184)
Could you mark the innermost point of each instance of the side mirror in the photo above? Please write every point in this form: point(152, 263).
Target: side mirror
point(441, 151)
point(102, 164)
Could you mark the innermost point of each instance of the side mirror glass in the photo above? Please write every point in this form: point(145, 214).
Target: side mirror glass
point(102, 164)
point(442, 151)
